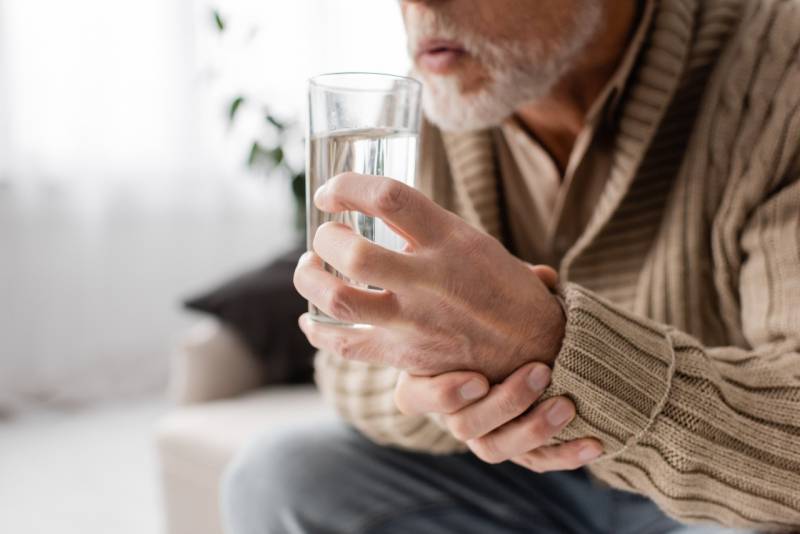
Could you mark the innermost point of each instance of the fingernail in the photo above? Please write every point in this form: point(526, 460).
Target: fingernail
point(559, 413)
point(474, 389)
point(589, 453)
point(539, 378)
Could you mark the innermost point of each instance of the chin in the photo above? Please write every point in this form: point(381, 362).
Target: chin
point(447, 106)
point(463, 115)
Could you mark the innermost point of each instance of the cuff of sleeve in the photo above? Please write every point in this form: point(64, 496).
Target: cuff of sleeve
point(616, 367)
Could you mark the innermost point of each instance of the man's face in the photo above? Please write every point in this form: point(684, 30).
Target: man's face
point(482, 59)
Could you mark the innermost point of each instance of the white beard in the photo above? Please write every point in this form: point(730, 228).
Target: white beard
point(519, 73)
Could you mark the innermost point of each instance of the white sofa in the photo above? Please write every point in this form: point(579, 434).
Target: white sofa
point(221, 403)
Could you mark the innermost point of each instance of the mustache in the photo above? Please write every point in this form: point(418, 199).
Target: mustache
point(428, 24)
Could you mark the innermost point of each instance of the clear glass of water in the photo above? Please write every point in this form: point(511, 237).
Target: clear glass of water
point(365, 123)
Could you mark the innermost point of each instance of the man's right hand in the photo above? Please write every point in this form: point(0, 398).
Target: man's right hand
point(497, 423)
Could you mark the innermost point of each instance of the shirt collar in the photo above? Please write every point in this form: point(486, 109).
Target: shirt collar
point(609, 99)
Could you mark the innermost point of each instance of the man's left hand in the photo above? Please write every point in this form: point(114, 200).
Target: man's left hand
point(453, 299)
point(501, 422)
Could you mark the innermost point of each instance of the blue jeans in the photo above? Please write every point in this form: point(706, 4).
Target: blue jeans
point(329, 479)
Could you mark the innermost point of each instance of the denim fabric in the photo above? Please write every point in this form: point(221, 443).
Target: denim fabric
point(327, 478)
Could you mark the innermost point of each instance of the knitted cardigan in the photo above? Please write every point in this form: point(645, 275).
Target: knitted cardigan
point(682, 344)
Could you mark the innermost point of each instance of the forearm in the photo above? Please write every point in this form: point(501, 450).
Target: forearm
point(709, 434)
point(363, 394)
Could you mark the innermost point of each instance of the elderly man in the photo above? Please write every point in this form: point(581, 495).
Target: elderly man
point(647, 151)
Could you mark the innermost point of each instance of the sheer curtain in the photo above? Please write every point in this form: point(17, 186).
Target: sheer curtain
point(125, 90)
point(96, 89)
point(122, 187)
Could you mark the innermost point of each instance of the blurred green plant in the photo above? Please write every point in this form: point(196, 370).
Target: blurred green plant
point(268, 149)
point(218, 20)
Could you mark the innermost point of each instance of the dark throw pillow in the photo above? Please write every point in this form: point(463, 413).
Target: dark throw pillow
point(262, 307)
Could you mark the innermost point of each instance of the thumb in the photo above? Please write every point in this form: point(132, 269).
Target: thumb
point(546, 274)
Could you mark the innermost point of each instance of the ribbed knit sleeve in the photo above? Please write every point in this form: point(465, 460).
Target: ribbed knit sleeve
point(709, 433)
point(363, 394)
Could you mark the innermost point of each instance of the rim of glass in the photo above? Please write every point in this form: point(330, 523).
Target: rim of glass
point(319, 81)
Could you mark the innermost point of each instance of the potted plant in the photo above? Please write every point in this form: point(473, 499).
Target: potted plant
point(268, 149)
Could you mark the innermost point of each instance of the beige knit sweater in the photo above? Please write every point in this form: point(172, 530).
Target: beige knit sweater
point(682, 346)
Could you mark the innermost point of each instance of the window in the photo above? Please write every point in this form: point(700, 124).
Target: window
point(137, 90)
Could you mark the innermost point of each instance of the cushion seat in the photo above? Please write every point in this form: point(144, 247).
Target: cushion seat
point(196, 442)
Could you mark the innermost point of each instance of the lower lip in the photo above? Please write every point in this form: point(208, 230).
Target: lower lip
point(440, 61)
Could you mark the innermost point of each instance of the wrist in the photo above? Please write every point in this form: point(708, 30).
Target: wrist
point(558, 328)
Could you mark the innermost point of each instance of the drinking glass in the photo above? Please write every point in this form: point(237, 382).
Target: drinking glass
point(365, 123)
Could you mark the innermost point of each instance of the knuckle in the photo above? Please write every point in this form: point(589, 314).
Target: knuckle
point(342, 347)
point(391, 196)
point(299, 275)
point(536, 432)
point(486, 449)
point(303, 267)
point(357, 260)
point(459, 427)
point(390, 307)
point(333, 187)
point(322, 235)
point(444, 399)
point(400, 399)
point(312, 337)
point(511, 402)
point(468, 240)
point(339, 303)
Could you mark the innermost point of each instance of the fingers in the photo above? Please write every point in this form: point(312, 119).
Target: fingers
point(504, 402)
point(414, 216)
point(563, 457)
point(348, 343)
point(525, 433)
point(443, 394)
point(546, 274)
point(362, 260)
point(340, 300)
